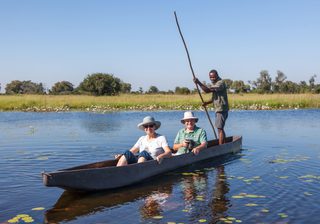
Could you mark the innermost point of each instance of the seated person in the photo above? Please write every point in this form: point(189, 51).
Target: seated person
point(191, 137)
point(150, 146)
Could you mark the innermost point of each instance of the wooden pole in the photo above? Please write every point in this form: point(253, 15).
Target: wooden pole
point(185, 46)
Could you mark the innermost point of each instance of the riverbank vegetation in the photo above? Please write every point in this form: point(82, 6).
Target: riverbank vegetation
point(103, 84)
point(149, 102)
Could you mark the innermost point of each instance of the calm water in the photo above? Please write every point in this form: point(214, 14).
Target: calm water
point(275, 179)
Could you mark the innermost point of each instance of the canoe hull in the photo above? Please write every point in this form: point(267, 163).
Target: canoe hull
point(104, 175)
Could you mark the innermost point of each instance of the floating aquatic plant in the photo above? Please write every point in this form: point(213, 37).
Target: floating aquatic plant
point(21, 217)
point(157, 217)
point(38, 209)
point(251, 204)
point(283, 215)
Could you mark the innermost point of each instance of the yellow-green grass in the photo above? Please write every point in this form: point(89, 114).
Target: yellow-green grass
point(153, 102)
point(274, 101)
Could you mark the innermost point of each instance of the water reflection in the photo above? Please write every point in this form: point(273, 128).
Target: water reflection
point(198, 189)
point(71, 205)
point(220, 203)
point(154, 204)
point(100, 123)
point(152, 197)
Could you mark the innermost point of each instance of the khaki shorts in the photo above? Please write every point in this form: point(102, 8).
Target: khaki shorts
point(221, 118)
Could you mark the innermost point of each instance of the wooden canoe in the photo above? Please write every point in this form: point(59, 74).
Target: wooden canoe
point(105, 175)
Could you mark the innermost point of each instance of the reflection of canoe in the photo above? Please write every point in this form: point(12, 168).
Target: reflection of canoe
point(72, 205)
point(105, 175)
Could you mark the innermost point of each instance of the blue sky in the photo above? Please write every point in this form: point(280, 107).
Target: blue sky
point(138, 41)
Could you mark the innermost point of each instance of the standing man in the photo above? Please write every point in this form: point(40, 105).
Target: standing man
point(219, 100)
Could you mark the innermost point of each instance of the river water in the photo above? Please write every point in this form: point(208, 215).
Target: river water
point(275, 178)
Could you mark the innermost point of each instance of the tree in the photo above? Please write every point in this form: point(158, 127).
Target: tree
point(290, 87)
point(63, 87)
point(239, 86)
point(125, 87)
point(182, 90)
point(153, 89)
point(263, 83)
point(14, 87)
point(312, 82)
point(277, 86)
point(99, 84)
point(303, 87)
point(228, 83)
point(24, 87)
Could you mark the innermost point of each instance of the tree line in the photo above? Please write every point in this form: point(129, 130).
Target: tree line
point(100, 84)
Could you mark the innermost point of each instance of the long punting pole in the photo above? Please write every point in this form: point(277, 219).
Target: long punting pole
point(185, 46)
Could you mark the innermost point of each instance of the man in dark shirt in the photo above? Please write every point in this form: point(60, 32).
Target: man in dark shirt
point(219, 100)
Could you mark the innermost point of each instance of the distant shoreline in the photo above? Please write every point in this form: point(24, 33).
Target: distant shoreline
point(156, 102)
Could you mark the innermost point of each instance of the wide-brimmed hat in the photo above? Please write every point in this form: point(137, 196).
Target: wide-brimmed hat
point(149, 120)
point(188, 115)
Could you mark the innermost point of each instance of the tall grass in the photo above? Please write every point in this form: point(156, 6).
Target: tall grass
point(153, 102)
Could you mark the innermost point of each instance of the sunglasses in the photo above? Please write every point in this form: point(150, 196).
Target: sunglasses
point(148, 126)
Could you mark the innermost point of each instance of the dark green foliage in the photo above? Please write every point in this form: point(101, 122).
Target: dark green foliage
point(153, 89)
point(63, 87)
point(100, 84)
point(182, 90)
point(263, 83)
point(228, 83)
point(24, 87)
point(278, 84)
point(125, 87)
point(239, 87)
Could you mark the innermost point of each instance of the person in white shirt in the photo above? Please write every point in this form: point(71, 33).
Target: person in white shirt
point(152, 146)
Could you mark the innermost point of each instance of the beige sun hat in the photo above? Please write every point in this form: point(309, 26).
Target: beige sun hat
point(149, 120)
point(188, 115)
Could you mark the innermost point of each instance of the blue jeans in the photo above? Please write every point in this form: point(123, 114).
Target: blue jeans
point(131, 158)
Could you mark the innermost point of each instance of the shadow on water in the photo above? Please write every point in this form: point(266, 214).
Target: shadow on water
point(72, 205)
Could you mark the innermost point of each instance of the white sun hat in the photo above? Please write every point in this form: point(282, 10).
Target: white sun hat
point(149, 120)
point(188, 115)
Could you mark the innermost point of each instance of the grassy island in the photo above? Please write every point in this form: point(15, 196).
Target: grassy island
point(46, 103)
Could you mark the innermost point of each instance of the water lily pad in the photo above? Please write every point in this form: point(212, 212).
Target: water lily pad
point(200, 198)
point(13, 220)
point(190, 174)
point(208, 169)
point(231, 218)
point(283, 215)
point(237, 196)
point(22, 215)
point(251, 204)
point(157, 217)
point(252, 196)
point(27, 219)
point(38, 209)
